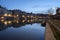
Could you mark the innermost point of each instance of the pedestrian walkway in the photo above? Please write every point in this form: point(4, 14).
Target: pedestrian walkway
point(48, 33)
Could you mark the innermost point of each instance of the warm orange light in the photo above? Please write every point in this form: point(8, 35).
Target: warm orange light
point(9, 15)
point(2, 20)
point(5, 22)
point(5, 14)
point(23, 20)
point(9, 22)
point(17, 15)
point(28, 20)
point(28, 16)
point(17, 21)
point(23, 16)
point(2, 17)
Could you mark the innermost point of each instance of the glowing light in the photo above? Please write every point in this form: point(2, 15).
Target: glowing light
point(9, 15)
point(2, 17)
point(5, 14)
point(9, 22)
point(28, 16)
point(2, 20)
point(17, 21)
point(23, 20)
point(17, 15)
point(23, 16)
point(28, 20)
point(5, 22)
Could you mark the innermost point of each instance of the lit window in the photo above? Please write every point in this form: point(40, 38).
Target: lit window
point(23, 16)
point(5, 22)
point(2, 20)
point(17, 21)
point(23, 20)
point(9, 15)
point(9, 22)
point(28, 16)
point(5, 14)
point(2, 17)
point(28, 20)
point(17, 15)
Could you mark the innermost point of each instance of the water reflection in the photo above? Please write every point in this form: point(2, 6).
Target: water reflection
point(15, 23)
point(21, 30)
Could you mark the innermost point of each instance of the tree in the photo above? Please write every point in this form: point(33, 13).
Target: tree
point(51, 11)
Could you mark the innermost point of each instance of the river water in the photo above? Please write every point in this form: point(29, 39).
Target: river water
point(22, 31)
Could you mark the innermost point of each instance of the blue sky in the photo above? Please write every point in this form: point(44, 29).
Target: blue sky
point(35, 6)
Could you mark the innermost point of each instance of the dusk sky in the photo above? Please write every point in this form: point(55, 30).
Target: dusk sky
point(30, 5)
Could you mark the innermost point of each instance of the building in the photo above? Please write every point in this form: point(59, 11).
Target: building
point(2, 10)
point(58, 11)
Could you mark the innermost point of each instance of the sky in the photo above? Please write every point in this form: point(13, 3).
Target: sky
point(35, 6)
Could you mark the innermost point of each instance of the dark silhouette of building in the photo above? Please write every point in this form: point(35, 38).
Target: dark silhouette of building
point(58, 11)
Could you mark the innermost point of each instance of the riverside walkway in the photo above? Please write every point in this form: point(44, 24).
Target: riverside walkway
point(48, 33)
point(52, 31)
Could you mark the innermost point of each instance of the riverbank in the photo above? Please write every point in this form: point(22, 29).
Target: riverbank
point(48, 33)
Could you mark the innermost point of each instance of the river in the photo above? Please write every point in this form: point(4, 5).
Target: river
point(22, 31)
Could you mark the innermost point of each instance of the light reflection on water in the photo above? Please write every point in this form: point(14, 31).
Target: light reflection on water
point(22, 31)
